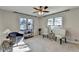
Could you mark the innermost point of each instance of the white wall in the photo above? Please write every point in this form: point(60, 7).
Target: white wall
point(70, 22)
point(0, 22)
point(10, 20)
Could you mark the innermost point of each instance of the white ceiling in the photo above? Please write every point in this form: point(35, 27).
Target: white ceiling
point(29, 9)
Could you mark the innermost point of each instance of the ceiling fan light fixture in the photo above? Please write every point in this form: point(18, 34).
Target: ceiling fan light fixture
point(40, 13)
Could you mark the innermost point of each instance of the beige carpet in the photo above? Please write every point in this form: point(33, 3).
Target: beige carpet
point(40, 44)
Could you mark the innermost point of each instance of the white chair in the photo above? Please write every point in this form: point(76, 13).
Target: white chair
point(60, 34)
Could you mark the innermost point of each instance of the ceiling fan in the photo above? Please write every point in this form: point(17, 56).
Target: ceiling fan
point(41, 10)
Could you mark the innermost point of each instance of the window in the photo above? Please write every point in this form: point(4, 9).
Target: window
point(55, 22)
point(26, 24)
point(23, 24)
point(30, 25)
point(58, 21)
point(50, 21)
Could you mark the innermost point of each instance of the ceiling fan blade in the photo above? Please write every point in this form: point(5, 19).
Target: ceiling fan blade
point(35, 11)
point(36, 8)
point(45, 11)
point(45, 7)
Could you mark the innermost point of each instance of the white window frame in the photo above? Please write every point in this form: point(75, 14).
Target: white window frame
point(59, 21)
point(26, 21)
point(54, 25)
